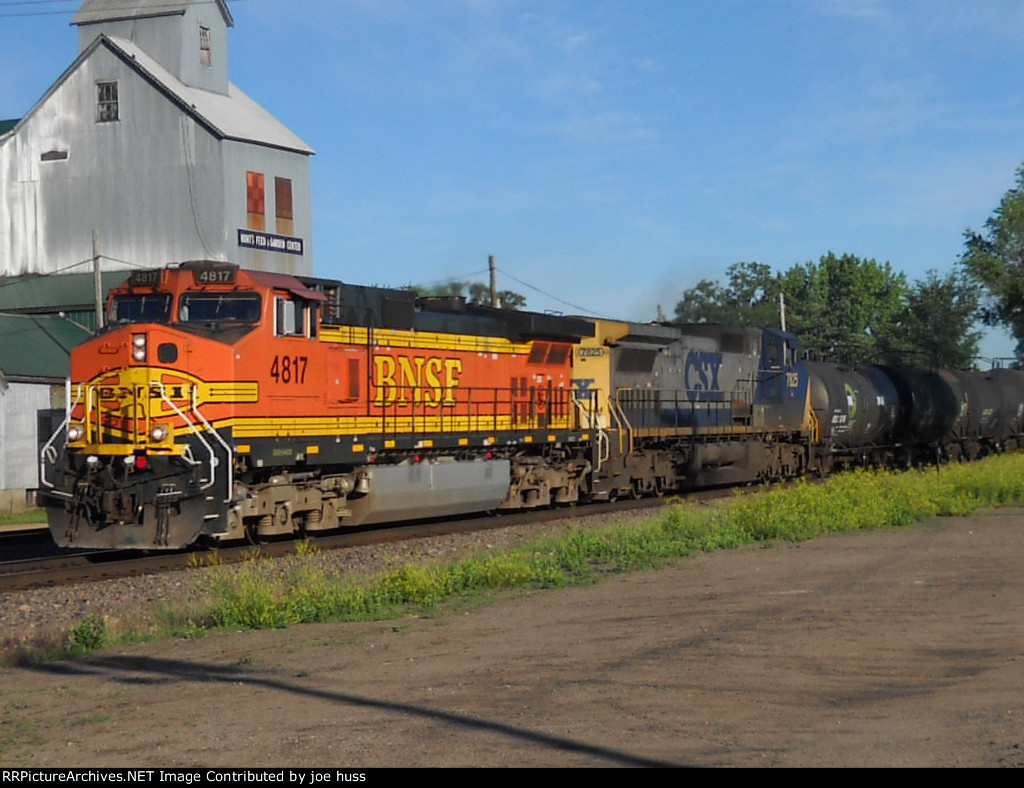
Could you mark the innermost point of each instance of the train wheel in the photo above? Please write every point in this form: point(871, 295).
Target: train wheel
point(252, 529)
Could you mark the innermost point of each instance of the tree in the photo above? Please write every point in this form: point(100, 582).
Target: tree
point(479, 293)
point(845, 308)
point(750, 298)
point(938, 326)
point(476, 293)
point(996, 260)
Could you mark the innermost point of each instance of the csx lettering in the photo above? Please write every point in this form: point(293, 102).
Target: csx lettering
point(427, 380)
point(700, 375)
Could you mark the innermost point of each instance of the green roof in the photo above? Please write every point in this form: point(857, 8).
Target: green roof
point(38, 347)
point(7, 125)
point(54, 293)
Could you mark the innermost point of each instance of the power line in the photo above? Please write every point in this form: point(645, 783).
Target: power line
point(77, 4)
point(12, 281)
point(577, 307)
point(35, 2)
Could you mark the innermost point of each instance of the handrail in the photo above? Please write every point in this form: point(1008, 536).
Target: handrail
point(591, 417)
point(815, 426)
point(227, 449)
point(47, 452)
point(620, 416)
point(198, 434)
point(477, 409)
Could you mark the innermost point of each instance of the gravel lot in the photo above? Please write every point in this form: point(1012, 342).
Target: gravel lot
point(892, 648)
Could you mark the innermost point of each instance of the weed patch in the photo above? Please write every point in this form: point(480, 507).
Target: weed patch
point(261, 593)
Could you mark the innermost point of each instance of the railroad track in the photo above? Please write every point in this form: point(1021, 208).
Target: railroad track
point(93, 566)
point(21, 542)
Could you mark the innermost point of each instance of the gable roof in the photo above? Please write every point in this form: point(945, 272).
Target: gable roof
point(234, 116)
point(34, 348)
point(93, 11)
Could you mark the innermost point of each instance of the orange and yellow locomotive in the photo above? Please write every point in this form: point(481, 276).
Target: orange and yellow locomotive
point(222, 402)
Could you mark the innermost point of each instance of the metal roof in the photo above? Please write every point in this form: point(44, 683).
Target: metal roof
point(54, 293)
point(234, 116)
point(93, 11)
point(37, 348)
point(7, 125)
point(286, 282)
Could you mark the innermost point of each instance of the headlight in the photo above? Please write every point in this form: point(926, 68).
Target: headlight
point(139, 347)
point(159, 433)
point(76, 432)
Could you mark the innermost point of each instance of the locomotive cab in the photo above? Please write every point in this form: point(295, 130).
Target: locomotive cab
point(138, 460)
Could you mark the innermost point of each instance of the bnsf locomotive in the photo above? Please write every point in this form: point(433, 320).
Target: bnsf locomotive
point(223, 403)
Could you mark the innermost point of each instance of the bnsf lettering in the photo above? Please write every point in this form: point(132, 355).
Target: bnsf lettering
point(701, 376)
point(125, 393)
point(421, 380)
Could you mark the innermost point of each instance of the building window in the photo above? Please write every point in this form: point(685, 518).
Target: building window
point(106, 102)
point(283, 202)
point(255, 201)
point(204, 46)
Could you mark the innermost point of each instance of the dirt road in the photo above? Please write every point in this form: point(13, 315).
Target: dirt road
point(900, 648)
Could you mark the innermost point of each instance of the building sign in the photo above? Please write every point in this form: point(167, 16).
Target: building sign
point(266, 242)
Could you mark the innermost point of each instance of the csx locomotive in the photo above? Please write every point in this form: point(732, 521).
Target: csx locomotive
point(223, 403)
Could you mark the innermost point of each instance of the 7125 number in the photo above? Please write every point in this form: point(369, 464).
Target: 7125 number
point(289, 369)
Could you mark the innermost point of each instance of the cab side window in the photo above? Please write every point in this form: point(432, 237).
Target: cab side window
point(290, 318)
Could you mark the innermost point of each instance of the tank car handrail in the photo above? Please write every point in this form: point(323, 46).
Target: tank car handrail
point(812, 417)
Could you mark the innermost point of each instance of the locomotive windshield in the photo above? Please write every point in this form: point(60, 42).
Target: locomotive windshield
point(220, 307)
point(138, 308)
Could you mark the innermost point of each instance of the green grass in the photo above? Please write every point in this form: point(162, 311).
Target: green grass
point(28, 517)
point(260, 594)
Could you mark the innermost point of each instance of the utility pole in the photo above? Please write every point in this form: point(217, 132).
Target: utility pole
point(97, 284)
point(494, 283)
point(782, 309)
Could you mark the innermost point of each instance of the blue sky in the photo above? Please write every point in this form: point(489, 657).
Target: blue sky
point(611, 153)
